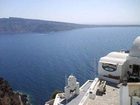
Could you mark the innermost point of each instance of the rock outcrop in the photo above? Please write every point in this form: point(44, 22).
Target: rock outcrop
point(9, 97)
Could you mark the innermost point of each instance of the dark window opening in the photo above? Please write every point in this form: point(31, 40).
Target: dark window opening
point(135, 75)
point(136, 70)
point(130, 66)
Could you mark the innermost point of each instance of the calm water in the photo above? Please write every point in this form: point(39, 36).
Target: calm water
point(38, 63)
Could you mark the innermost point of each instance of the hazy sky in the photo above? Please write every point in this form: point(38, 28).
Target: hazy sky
point(76, 11)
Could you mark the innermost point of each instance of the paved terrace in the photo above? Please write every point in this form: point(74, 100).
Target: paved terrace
point(76, 100)
point(111, 97)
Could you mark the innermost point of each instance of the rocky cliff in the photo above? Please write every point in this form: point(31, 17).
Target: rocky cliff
point(9, 97)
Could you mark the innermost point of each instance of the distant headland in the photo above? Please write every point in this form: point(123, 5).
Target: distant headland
point(22, 25)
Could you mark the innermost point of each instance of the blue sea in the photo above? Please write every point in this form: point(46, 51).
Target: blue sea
point(37, 64)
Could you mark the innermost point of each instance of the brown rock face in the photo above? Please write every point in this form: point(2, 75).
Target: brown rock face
point(9, 97)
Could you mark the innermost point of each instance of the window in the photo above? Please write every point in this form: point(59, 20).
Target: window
point(130, 66)
point(109, 67)
point(136, 70)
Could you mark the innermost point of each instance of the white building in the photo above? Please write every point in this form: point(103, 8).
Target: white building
point(118, 82)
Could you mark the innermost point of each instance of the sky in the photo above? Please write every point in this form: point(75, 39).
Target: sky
point(74, 11)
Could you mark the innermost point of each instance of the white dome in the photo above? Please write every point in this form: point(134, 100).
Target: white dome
point(135, 50)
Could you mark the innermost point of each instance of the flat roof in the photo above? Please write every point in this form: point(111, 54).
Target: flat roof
point(111, 96)
point(76, 100)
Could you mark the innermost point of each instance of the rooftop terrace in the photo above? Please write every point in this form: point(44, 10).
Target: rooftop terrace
point(110, 97)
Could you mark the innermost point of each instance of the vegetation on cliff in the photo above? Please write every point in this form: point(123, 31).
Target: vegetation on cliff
point(55, 93)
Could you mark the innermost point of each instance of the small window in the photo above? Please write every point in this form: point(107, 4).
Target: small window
point(109, 67)
point(130, 66)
